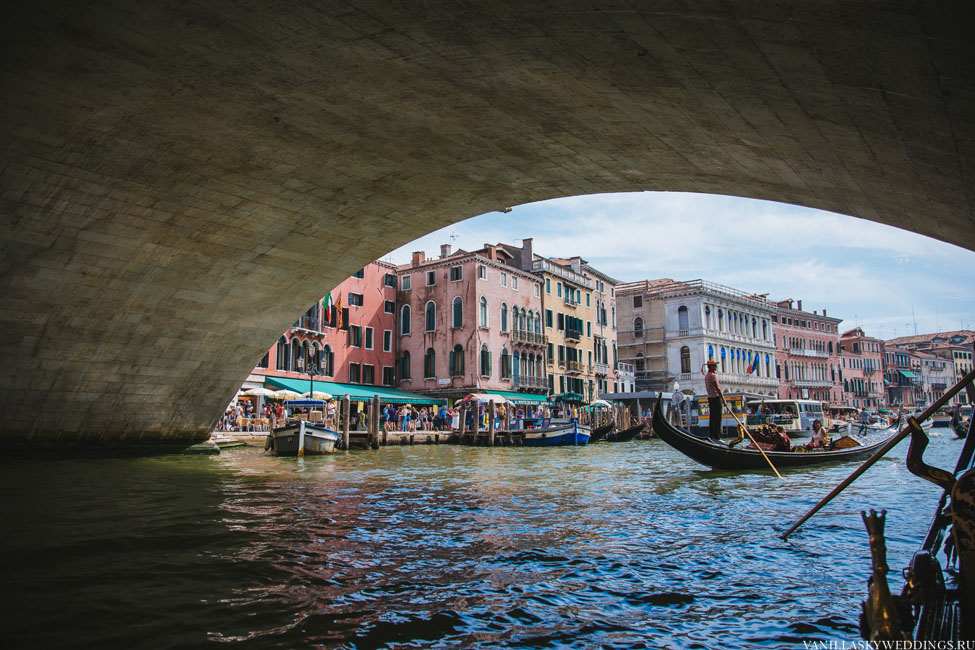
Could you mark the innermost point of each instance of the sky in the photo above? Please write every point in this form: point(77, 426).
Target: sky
point(888, 281)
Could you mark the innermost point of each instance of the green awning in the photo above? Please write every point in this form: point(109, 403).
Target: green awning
point(566, 397)
point(908, 374)
point(357, 392)
point(523, 399)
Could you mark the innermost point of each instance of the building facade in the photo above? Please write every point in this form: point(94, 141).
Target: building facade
point(641, 333)
point(345, 337)
point(955, 347)
point(808, 353)
point(468, 322)
point(861, 370)
point(605, 352)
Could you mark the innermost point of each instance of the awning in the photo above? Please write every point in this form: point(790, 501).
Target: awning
point(356, 392)
point(522, 399)
point(908, 374)
point(565, 397)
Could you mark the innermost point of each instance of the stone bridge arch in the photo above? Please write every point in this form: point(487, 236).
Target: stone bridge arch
point(179, 180)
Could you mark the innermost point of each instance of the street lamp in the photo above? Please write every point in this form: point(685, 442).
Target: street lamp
point(312, 371)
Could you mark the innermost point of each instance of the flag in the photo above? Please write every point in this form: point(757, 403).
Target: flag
point(338, 313)
point(326, 301)
point(754, 366)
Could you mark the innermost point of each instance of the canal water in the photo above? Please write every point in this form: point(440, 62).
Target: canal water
point(625, 545)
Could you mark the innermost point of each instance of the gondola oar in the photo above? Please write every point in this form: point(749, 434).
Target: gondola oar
point(758, 446)
point(928, 412)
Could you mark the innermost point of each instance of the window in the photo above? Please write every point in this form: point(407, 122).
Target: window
point(548, 286)
point(682, 321)
point(430, 317)
point(485, 361)
point(638, 327)
point(504, 317)
point(369, 345)
point(389, 280)
point(505, 364)
point(482, 272)
point(456, 273)
point(538, 290)
point(361, 273)
point(404, 320)
point(637, 302)
point(406, 282)
point(387, 340)
point(558, 289)
point(588, 297)
point(355, 336)
point(514, 282)
point(458, 312)
point(685, 359)
point(389, 306)
point(353, 373)
point(561, 321)
point(387, 375)
point(404, 366)
point(282, 354)
point(327, 364)
point(369, 375)
point(589, 328)
point(504, 279)
point(548, 318)
point(483, 312)
point(430, 364)
point(457, 361)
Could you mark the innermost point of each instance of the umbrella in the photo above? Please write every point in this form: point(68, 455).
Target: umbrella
point(601, 402)
point(286, 394)
point(260, 390)
point(318, 394)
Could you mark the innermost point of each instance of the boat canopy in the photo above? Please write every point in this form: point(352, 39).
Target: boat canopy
point(356, 392)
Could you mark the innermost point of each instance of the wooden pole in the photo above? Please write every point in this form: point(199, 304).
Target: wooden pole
point(301, 437)
point(374, 416)
point(462, 428)
point(491, 412)
point(906, 431)
point(346, 408)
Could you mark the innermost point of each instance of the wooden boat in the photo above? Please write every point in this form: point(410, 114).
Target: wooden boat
point(301, 438)
point(556, 433)
point(600, 432)
point(720, 456)
point(625, 434)
point(959, 427)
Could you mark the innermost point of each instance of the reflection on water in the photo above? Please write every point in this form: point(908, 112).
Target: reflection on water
point(613, 545)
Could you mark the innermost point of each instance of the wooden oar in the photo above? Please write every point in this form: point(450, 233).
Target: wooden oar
point(928, 412)
point(745, 429)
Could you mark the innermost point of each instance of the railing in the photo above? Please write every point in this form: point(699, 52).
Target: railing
point(683, 333)
point(602, 368)
point(564, 273)
point(308, 323)
point(805, 352)
point(812, 383)
point(530, 382)
point(573, 366)
point(570, 302)
point(572, 334)
point(530, 338)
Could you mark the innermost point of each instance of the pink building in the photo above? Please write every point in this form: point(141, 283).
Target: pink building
point(468, 322)
point(862, 367)
point(807, 353)
point(349, 342)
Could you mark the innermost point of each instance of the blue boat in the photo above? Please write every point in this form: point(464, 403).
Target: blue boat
point(550, 432)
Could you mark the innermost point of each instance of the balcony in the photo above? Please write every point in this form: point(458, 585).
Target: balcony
point(811, 383)
point(570, 301)
point(805, 352)
point(530, 382)
point(526, 337)
point(572, 334)
point(574, 367)
point(308, 324)
point(602, 368)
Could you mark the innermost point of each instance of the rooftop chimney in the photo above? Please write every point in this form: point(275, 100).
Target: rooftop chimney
point(799, 305)
point(491, 252)
point(824, 312)
point(419, 257)
point(527, 255)
point(444, 250)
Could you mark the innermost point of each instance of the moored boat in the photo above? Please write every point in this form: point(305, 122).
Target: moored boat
point(622, 435)
point(556, 433)
point(600, 432)
point(720, 456)
point(302, 438)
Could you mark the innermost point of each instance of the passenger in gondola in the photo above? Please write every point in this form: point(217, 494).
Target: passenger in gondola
point(819, 439)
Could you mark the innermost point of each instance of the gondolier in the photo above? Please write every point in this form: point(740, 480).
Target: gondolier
point(714, 400)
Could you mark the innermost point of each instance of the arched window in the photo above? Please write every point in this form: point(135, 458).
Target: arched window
point(457, 361)
point(281, 355)
point(754, 328)
point(430, 316)
point(723, 366)
point(328, 361)
point(485, 361)
point(639, 362)
point(682, 318)
point(638, 327)
point(458, 312)
point(296, 357)
point(516, 367)
point(505, 364)
point(404, 320)
point(685, 359)
point(765, 330)
point(404, 366)
point(483, 312)
point(707, 316)
point(720, 320)
point(710, 352)
point(430, 364)
point(504, 317)
point(522, 320)
point(829, 347)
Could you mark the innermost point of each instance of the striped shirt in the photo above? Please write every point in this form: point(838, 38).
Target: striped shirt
point(711, 384)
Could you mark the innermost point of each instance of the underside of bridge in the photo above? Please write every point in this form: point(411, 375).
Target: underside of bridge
point(179, 180)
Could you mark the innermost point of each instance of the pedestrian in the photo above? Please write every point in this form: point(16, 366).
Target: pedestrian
point(714, 401)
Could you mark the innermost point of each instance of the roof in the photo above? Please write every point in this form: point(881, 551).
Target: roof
point(967, 335)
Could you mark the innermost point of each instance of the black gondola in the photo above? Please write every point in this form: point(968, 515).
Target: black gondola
point(959, 427)
point(600, 432)
point(625, 434)
point(720, 456)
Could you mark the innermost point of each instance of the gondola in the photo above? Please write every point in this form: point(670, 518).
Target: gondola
point(625, 434)
point(959, 428)
point(720, 456)
point(600, 432)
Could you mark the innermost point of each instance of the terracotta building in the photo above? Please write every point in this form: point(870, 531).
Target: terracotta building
point(807, 353)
